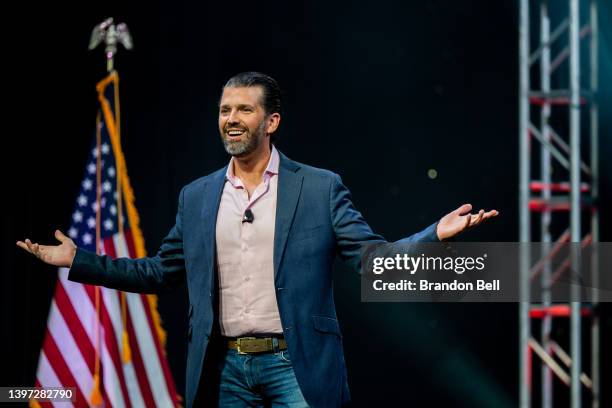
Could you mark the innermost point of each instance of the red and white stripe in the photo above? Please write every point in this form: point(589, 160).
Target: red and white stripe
point(69, 351)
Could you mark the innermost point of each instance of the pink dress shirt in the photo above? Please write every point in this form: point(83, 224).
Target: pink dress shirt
point(247, 297)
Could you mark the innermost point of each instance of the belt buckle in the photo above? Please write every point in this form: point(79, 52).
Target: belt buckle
point(238, 345)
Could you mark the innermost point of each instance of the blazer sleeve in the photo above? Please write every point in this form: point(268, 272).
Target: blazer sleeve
point(144, 275)
point(353, 234)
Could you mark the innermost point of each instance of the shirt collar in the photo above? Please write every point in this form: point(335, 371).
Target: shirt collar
point(271, 168)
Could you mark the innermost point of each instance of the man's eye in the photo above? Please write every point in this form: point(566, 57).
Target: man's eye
point(247, 109)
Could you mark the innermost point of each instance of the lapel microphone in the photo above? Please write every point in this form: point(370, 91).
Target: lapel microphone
point(248, 216)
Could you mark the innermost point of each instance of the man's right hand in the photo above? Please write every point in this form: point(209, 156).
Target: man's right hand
point(59, 255)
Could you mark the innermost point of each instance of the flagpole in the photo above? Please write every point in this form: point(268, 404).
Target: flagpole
point(111, 35)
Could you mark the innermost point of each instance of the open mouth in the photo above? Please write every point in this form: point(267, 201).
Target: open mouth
point(234, 134)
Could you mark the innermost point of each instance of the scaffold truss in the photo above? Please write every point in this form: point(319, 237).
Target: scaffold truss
point(557, 186)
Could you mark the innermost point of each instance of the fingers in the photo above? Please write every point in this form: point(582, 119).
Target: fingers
point(23, 246)
point(468, 221)
point(476, 219)
point(490, 214)
point(32, 248)
point(464, 209)
point(482, 215)
point(61, 237)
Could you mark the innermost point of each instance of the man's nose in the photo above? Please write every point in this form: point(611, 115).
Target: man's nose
point(233, 117)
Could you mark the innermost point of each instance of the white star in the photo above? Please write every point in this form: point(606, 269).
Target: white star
point(87, 238)
point(108, 225)
point(103, 202)
point(91, 168)
point(111, 171)
point(105, 148)
point(72, 232)
point(77, 216)
point(107, 186)
point(94, 206)
point(82, 200)
point(94, 152)
point(113, 209)
point(91, 222)
point(87, 184)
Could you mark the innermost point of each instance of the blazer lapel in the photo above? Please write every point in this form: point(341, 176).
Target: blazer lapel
point(210, 209)
point(287, 196)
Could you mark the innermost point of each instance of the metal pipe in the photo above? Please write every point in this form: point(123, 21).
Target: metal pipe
point(594, 119)
point(557, 139)
point(567, 360)
point(545, 219)
point(549, 361)
point(566, 51)
point(553, 37)
point(575, 212)
point(524, 227)
point(550, 255)
point(549, 146)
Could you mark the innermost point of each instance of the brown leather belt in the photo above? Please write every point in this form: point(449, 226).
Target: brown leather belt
point(248, 345)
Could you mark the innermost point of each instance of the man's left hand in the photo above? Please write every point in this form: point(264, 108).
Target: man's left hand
point(460, 220)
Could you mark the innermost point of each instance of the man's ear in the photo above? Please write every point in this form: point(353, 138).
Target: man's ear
point(273, 122)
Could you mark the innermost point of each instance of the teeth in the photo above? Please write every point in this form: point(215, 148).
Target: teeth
point(235, 132)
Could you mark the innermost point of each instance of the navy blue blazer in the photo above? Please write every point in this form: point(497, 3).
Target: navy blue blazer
point(315, 220)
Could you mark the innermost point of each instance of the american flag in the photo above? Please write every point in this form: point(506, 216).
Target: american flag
point(108, 344)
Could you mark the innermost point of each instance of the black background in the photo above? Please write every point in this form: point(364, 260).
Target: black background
point(379, 92)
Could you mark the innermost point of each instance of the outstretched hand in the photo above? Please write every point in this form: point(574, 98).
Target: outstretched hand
point(58, 255)
point(460, 220)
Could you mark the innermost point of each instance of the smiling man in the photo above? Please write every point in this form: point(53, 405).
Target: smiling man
point(241, 118)
point(255, 242)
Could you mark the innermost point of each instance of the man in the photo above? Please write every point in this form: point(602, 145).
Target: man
point(255, 242)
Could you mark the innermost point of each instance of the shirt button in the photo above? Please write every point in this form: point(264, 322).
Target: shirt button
point(246, 311)
point(246, 278)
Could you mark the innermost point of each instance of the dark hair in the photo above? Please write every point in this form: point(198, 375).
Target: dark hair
point(271, 91)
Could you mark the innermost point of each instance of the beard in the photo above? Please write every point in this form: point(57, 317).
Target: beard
point(249, 143)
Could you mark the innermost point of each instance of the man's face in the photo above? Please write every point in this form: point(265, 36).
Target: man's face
point(242, 120)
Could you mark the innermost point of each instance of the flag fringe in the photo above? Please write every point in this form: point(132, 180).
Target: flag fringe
point(95, 398)
point(34, 404)
point(126, 356)
point(128, 193)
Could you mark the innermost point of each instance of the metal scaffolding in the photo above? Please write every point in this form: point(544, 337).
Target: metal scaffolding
point(557, 192)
